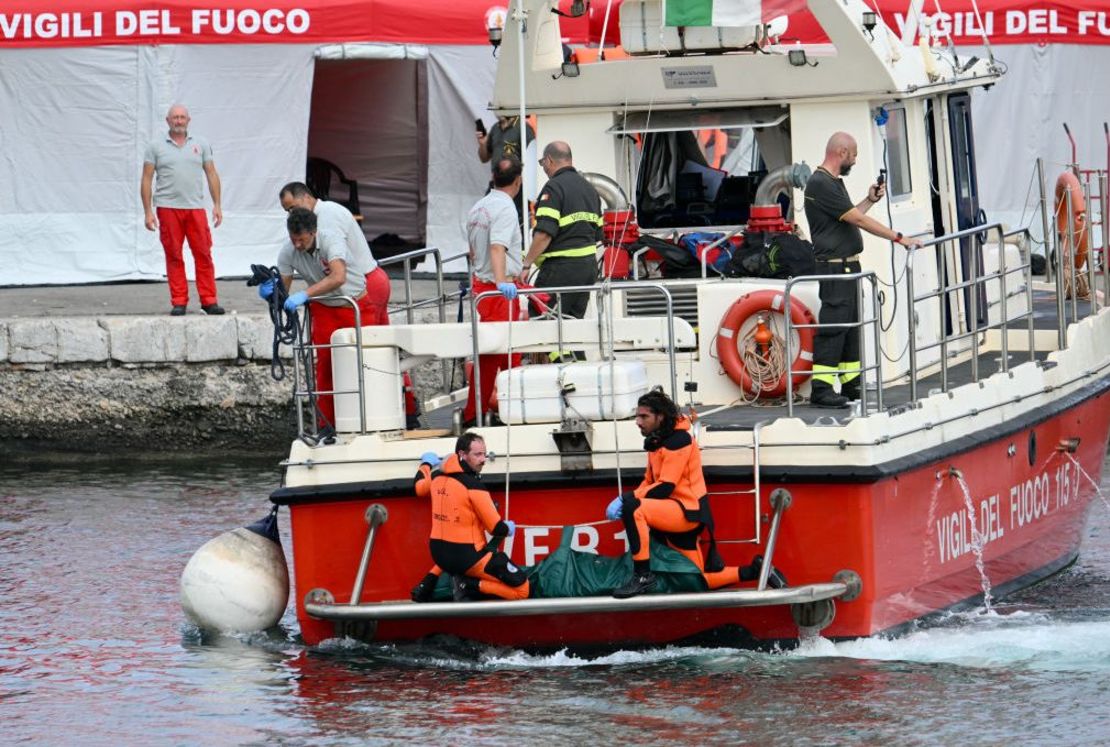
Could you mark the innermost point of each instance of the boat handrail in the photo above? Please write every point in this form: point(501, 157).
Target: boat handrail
point(872, 321)
point(558, 291)
point(310, 393)
point(441, 299)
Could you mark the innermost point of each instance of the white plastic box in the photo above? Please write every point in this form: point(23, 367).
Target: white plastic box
point(643, 32)
point(602, 391)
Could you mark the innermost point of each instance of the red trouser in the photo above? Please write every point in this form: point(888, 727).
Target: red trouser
point(667, 515)
point(325, 321)
point(175, 225)
point(377, 298)
point(491, 309)
point(374, 310)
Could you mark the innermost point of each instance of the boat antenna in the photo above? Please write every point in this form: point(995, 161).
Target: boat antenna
point(983, 31)
point(527, 187)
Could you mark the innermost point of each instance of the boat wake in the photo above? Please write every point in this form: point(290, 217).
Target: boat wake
point(1030, 640)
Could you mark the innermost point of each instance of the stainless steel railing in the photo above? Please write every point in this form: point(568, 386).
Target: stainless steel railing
point(855, 327)
point(309, 394)
point(558, 291)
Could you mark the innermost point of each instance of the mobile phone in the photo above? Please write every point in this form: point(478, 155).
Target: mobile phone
point(480, 126)
point(882, 177)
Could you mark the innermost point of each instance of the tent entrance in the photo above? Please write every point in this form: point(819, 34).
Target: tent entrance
point(368, 118)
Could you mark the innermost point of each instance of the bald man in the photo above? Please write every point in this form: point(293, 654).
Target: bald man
point(175, 207)
point(836, 225)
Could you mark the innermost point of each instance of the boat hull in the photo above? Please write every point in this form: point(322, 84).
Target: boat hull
point(913, 536)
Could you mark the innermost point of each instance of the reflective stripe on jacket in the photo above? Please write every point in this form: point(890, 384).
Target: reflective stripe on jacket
point(569, 211)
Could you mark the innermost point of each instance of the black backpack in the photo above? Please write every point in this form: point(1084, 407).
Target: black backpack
point(772, 255)
point(678, 262)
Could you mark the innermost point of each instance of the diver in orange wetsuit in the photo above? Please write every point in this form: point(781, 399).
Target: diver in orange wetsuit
point(462, 512)
point(672, 501)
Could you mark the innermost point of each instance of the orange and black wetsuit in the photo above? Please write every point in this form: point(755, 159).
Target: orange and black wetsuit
point(672, 501)
point(462, 511)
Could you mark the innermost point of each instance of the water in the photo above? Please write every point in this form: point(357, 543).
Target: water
point(978, 540)
point(94, 650)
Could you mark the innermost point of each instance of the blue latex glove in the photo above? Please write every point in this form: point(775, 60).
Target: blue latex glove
point(431, 459)
point(266, 290)
point(613, 510)
point(512, 527)
point(300, 298)
point(508, 290)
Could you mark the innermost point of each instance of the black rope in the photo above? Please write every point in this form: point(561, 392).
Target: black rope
point(287, 328)
point(288, 331)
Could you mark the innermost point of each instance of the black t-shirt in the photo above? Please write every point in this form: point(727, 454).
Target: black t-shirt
point(827, 201)
point(507, 142)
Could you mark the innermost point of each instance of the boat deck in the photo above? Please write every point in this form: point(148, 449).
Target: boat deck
point(719, 416)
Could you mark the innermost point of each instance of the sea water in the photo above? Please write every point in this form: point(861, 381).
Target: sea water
point(94, 649)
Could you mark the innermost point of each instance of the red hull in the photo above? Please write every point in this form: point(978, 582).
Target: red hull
point(908, 536)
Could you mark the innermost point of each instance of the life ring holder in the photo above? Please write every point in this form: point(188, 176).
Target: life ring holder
point(1068, 182)
point(728, 350)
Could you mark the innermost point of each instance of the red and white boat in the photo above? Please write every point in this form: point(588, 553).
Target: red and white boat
point(967, 470)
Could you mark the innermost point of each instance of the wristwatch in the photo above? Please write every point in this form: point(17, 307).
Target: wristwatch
point(898, 237)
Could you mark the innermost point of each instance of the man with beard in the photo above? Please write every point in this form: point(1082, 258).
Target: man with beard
point(835, 225)
point(672, 503)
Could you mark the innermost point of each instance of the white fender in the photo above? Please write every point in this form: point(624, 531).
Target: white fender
point(237, 582)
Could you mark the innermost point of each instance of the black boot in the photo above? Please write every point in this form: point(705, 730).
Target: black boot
point(775, 579)
point(643, 580)
point(426, 589)
point(822, 395)
point(850, 389)
point(465, 589)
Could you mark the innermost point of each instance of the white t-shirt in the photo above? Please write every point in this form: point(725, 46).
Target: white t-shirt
point(332, 216)
point(493, 220)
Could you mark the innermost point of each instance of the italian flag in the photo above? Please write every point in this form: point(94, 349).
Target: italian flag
point(726, 12)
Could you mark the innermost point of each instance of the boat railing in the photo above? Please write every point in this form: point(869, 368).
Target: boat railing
point(441, 299)
point(871, 321)
point(303, 350)
point(974, 285)
point(602, 290)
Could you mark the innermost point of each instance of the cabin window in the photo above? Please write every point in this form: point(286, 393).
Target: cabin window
point(898, 155)
point(702, 168)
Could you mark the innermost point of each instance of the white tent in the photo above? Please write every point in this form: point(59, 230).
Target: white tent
point(85, 85)
point(75, 120)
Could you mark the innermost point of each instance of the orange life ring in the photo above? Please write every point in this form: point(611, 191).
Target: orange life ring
point(728, 352)
point(1068, 182)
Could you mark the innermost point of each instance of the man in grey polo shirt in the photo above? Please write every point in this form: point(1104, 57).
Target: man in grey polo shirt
point(331, 216)
point(182, 162)
point(321, 258)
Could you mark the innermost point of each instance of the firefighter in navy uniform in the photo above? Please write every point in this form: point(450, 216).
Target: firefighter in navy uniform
point(462, 512)
point(672, 503)
point(835, 224)
point(568, 229)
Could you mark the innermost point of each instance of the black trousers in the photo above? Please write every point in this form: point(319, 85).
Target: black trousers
point(839, 305)
point(558, 271)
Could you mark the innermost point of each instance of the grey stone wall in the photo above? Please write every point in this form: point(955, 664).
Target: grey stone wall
point(150, 383)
